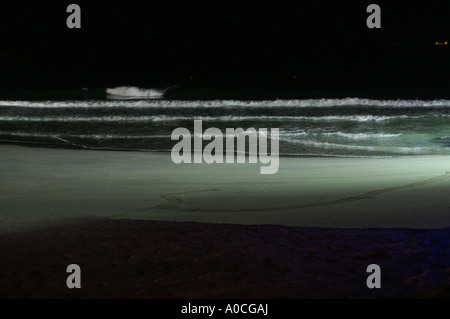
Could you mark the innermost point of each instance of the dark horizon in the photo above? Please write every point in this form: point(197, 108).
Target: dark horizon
point(315, 49)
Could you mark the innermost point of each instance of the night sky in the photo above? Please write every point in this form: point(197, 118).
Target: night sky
point(224, 44)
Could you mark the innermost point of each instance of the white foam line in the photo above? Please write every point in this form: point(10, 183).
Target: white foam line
point(350, 118)
point(330, 145)
point(362, 136)
point(355, 136)
point(154, 93)
point(87, 136)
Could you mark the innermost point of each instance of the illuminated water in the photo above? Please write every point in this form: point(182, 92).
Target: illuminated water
point(317, 127)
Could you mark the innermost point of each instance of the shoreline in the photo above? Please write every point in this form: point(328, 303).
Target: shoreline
point(163, 152)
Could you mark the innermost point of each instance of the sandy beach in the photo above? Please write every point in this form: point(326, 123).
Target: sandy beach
point(41, 186)
point(141, 226)
point(99, 101)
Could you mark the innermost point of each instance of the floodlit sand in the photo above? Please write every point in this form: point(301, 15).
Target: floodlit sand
point(94, 208)
point(41, 186)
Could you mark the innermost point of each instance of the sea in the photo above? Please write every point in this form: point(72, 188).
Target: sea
point(138, 119)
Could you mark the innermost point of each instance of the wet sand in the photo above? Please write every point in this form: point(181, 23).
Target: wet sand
point(41, 186)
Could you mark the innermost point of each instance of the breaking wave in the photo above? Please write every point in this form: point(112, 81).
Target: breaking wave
point(132, 92)
point(226, 118)
point(143, 119)
point(362, 136)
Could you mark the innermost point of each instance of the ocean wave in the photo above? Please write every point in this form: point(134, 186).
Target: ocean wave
point(147, 98)
point(353, 136)
point(105, 136)
point(411, 150)
point(376, 148)
point(78, 104)
point(83, 136)
point(329, 145)
point(121, 136)
point(361, 136)
point(132, 92)
point(224, 118)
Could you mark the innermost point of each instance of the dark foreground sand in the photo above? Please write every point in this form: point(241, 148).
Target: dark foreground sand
point(156, 259)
